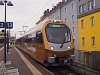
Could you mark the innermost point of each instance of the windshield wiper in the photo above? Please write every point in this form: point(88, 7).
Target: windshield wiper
point(62, 43)
point(65, 38)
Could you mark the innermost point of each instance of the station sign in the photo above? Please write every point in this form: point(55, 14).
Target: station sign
point(8, 25)
point(2, 24)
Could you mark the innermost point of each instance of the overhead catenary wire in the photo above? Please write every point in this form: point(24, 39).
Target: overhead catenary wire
point(38, 12)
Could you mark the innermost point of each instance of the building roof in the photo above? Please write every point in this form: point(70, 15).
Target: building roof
point(49, 12)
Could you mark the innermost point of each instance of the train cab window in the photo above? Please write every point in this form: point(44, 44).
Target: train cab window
point(58, 33)
point(39, 37)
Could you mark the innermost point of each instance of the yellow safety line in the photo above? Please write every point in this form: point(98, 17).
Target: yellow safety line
point(29, 65)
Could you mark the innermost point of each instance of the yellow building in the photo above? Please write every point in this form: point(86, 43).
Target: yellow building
point(89, 32)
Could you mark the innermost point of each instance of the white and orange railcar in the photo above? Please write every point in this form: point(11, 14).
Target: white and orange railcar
point(50, 43)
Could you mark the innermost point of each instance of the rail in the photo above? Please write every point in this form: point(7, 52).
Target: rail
point(82, 69)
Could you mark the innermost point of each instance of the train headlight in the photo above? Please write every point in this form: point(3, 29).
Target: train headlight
point(69, 47)
point(52, 48)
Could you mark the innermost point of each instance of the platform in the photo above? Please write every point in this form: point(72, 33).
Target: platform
point(24, 64)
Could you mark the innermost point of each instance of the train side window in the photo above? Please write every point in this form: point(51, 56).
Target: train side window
point(39, 37)
point(34, 40)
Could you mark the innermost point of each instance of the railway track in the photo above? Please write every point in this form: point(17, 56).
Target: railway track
point(65, 70)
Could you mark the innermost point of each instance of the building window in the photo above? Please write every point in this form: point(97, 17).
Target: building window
point(72, 5)
point(82, 9)
point(73, 29)
point(83, 41)
point(65, 10)
point(93, 41)
point(65, 19)
point(91, 5)
point(82, 23)
point(73, 17)
point(92, 21)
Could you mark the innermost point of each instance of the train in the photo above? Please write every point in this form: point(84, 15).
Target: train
point(49, 43)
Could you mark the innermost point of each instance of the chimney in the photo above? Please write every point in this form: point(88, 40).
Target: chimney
point(47, 11)
point(54, 7)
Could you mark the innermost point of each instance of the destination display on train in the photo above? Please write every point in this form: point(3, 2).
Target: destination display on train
point(56, 25)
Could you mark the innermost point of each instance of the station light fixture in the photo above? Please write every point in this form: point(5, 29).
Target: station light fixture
point(9, 3)
point(1, 3)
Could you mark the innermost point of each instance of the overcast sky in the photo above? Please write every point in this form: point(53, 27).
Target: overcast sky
point(25, 13)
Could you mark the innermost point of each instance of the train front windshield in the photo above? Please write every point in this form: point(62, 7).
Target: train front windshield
point(58, 33)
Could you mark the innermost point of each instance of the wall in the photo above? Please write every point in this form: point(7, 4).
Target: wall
point(88, 31)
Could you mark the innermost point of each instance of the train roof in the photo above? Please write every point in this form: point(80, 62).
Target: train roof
point(31, 32)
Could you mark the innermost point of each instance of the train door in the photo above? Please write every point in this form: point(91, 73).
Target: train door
point(40, 51)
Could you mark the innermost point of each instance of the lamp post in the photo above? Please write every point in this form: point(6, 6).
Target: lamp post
point(5, 42)
point(8, 37)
